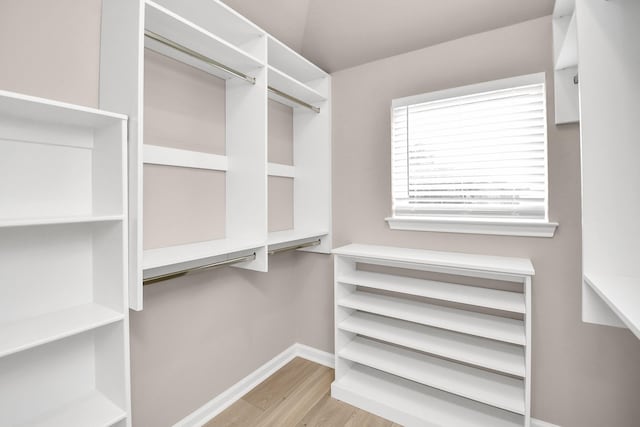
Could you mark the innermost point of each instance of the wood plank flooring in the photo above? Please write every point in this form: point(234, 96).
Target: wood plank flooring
point(298, 395)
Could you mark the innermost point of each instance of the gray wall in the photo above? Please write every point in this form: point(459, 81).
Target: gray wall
point(583, 375)
point(199, 335)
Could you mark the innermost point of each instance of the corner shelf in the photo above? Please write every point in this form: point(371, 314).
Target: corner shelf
point(402, 352)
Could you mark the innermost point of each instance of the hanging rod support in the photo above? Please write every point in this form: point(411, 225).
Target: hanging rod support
point(170, 43)
point(175, 274)
point(293, 99)
point(294, 247)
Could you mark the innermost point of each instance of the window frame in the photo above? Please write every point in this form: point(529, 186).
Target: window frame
point(474, 225)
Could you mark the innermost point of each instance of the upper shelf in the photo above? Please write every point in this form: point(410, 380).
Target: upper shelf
point(42, 110)
point(621, 294)
point(283, 58)
point(567, 55)
point(169, 25)
point(292, 87)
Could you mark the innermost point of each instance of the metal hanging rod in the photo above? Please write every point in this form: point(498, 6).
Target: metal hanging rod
point(293, 99)
point(173, 275)
point(294, 247)
point(170, 43)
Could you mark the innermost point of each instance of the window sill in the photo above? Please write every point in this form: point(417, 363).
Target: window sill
point(475, 226)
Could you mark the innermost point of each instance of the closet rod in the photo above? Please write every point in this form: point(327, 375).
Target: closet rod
point(293, 99)
point(163, 277)
point(291, 248)
point(194, 54)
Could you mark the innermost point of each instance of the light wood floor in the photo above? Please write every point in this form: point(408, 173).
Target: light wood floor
point(297, 395)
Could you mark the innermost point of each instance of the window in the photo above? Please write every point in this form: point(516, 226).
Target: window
point(472, 159)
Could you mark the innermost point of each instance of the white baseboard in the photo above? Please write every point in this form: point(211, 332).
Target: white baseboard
point(539, 423)
point(228, 397)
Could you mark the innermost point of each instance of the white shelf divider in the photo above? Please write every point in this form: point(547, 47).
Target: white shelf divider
point(404, 353)
point(412, 404)
point(471, 295)
point(489, 354)
point(476, 384)
point(452, 319)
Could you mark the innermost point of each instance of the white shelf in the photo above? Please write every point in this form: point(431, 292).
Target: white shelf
point(23, 222)
point(467, 349)
point(481, 325)
point(157, 155)
point(622, 296)
point(413, 404)
point(179, 30)
point(172, 255)
point(279, 169)
point(472, 383)
point(93, 410)
point(32, 332)
point(567, 55)
point(291, 63)
point(278, 238)
point(292, 87)
point(31, 108)
point(471, 295)
point(451, 260)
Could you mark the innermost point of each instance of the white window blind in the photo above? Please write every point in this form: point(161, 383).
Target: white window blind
point(473, 152)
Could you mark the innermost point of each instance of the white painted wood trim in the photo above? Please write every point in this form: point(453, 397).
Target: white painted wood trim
point(278, 169)
point(228, 397)
point(540, 423)
point(500, 228)
point(154, 154)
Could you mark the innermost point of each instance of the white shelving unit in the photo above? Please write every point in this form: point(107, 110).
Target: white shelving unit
point(565, 51)
point(208, 35)
point(607, 34)
point(291, 74)
point(426, 363)
point(64, 353)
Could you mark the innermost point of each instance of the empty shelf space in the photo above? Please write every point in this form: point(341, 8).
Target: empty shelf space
point(494, 355)
point(481, 325)
point(278, 238)
point(449, 260)
point(157, 155)
point(93, 410)
point(621, 294)
point(42, 110)
point(28, 333)
point(472, 383)
point(292, 87)
point(410, 403)
point(471, 295)
point(284, 58)
point(21, 222)
point(162, 257)
point(279, 169)
point(567, 55)
point(169, 25)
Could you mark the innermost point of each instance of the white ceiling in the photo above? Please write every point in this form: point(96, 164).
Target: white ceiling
point(338, 34)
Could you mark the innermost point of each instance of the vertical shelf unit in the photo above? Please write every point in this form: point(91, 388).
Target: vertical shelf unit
point(565, 61)
point(64, 333)
point(424, 352)
point(296, 82)
point(609, 109)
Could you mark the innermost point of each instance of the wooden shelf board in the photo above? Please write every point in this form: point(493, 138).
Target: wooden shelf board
point(162, 257)
point(277, 238)
point(22, 222)
point(621, 294)
point(467, 322)
point(292, 87)
point(452, 260)
point(410, 403)
point(179, 30)
point(28, 333)
point(93, 410)
point(471, 295)
point(568, 53)
point(31, 108)
point(472, 383)
point(494, 355)
point(284, 58)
